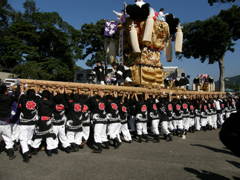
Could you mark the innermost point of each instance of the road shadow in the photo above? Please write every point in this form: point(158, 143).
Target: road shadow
point(234, 163)
point(236, 178)
point(213, 149)
point(205, 175)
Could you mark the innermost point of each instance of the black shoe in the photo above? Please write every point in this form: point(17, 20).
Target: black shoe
point(146, 138)
point(97, 148)
point(81, 146)
point(105, 145)
point(26, 157)
point(16, 146)
point(10, 154)
point(156, 139)
point(34, 151)
point(111, 142)
point(2, 146)
point(68, 149)
point(74, 147)
point(49, 153)
point(168, 138)
point(55, 151)
point(139, 139)
point(129, 142)
point(117, 143)
point(193, 129)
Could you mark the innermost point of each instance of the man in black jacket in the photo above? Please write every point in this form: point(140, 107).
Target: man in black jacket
point(100, 122)
point(28, 106)
point(99, 72)
point(74, 122)
point(44, 127)
point(59, 121)
point(5, 128)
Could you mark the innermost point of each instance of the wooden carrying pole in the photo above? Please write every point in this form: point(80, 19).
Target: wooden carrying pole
point(69, 87)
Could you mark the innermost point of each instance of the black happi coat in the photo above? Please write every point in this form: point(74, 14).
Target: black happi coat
point(98, 108)
point(123, 112)
point(163, 110)
point(28, 106)
point(60, 107)
point(210, 108)
point(142, 112)
point(112, 110)
point(74, 114)
point(185, 108)
point(85, 101)
point(45, 113)
point(153, 110)
point(198, 108)
point(5, 107)
point(170, 109)
point(99, 72)
point(191, 109)
point(178, 113)
point(204, 110)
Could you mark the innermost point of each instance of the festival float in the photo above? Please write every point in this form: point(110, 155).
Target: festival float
point(143, 35)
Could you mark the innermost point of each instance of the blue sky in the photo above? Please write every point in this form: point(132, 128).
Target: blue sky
point(78, 12)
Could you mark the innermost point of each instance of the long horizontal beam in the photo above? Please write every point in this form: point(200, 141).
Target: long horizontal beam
point(85, 88)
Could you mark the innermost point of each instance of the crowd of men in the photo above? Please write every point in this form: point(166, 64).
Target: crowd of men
point(70, 121)
point(118, 74)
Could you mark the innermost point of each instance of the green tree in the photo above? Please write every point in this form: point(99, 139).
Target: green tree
point(40, 45)
point(6, 12)
point(92, 41)
point(209, 40)
point(211, 2)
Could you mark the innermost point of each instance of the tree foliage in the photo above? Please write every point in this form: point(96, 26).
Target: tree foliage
point(92, 41)
point(6, 12)
point(212, 38)
point(211, 2)
point(207, 40)
point(39, 45)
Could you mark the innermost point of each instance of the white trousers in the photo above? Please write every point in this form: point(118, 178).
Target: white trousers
point(170, 125)
point(210, 120)
point(186, 123)
point(114, 130)
point(100, 133)
point(178, 124)
point(141, 128)
point(164, 127)
point(191, 122)
point(49, 141)
point(25, 136)
point(6, 133)
point(197, 123)
point(155, 126)
point(86, 132)
point(60, 135)
point(214, 121)
point(74, 137)
point(125, 132)
point(15, 132)
point(204, 122)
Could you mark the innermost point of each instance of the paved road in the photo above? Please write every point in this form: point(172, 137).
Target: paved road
point(200, 156)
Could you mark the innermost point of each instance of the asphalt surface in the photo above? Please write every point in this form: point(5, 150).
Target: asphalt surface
point(200, 156)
